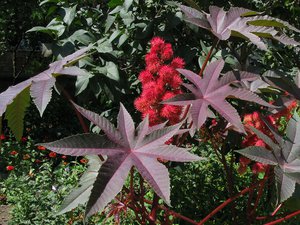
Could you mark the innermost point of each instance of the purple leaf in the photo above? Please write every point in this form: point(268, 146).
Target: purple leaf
point(126, 126)
point(111, 132)
point(158, 178)
point(195, 17)
point(84, 144)
point(8, 96)
point(248, 96)
point(229, 113)
point(109, 182)
point(286, 184)
point(285, 156)
point(41, 92)
point(234, 23)
point(293, 133)
point(140, 147)
point(211, 91)
point(259, 154)
point(265, 138)
point(170, 152)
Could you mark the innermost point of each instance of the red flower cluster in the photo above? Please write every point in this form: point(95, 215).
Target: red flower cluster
point(251, 139)
point(160, 81)
point(14, 152)
point(10, 168)
point(52, 154)
point(41, 148)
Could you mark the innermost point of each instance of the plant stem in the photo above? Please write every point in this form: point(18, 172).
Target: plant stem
point(173, 213)
point(154, 207)
point(284, 218)
point(220, 207)
point(0, 130)
point(272, 214)
point(215, 43)
point(260, 192)
point(131, 183)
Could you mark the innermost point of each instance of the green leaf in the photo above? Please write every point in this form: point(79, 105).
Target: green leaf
point(82, 36)
point(114, 35)
point(122, 39)
point(81, 194)
point(69, 14)
point(82, 83)
point(16, 111)
point(112, 71)
point(109, 21)
point(114, 3)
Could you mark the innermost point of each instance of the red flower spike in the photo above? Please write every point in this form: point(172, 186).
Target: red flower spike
point(141, 104)
point(156, 44)
point(258, 168)
point(260, 143)
point(2, 137)
point(170, 111)
point(10, 168)
point(255, 116)
point(159, 81)
point(175, 82)
point(178, 63)
point(244, 161)
point(167, 52)
point(152, 58)
point(248, 118)
point(145, 77)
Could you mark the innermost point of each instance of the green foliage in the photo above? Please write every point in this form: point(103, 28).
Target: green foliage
point(120, 31)
point(15, 113)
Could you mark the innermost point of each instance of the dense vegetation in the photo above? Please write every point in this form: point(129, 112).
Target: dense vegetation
point(127, 40)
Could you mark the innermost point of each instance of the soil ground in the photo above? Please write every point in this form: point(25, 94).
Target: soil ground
point(4, 214)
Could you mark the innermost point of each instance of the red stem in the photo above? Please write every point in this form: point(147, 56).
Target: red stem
point(175, 214)
point(260, 191)
point(220, 207)
point(272, 214)
point(131, 183)
point(154, 207)
point(208, 56)
point(284, 218)
point(277, 209)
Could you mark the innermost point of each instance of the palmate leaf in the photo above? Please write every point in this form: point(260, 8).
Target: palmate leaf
point(240, 22)
point(212, 91)
point(125, 147)
point(42, 84)
point(81, 194)
point(16, 111)
point(284, 156)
